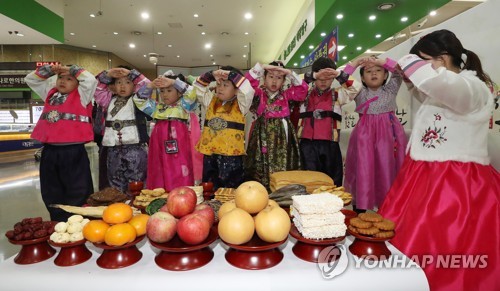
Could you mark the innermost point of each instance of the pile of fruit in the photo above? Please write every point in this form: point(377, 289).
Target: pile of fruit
point(117, 227)
point(252, 211)
point(181, 216)
point(30, 228)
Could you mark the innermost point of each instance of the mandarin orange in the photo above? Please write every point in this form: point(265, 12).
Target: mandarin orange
point(95, 230)
point(120, 234)
point(139, 222)
point(117, 213)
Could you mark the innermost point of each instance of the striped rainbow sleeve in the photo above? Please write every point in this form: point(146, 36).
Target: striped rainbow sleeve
point(410, 64)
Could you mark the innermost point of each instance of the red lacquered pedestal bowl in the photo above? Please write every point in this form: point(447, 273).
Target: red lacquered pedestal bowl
point(176, 255)
point(114, 257)
point(309, 249)
point(135, 187)
point(208, 190)
point(348, 215)
point(371, 248)
point(72, 253)
point(255, 254)
point(33, 250)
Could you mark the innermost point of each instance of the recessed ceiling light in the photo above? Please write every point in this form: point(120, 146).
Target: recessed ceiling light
point(340, 16)
point(433, 13)
point(350, 35)
point(178, 56)
point(386, 6)
point(322, 34)
point(404, 19)
point(245, 46)
point(94, 45)
point(202, 33)
point(115, 33)
point(344, 58)
point(368, 51)
point(145, 15)
point(195, 15)
point(211, 56)
point(248, 15)
point(213, 63)
point(144, 55)
point(92, 15)
point(302, 56)
point(378, 35)
point(169, 45)
point(19, 34)
point(131, 45)
point(294, 64)
point(244, 56)
point(71, 33)
point(208, 45)
point(358, 48)
point(246, 33)
point(159, 32)
point(340, 47)
point(372, 17)
point(311, 47)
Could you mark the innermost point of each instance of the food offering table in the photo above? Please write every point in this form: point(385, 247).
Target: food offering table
point(291, 273)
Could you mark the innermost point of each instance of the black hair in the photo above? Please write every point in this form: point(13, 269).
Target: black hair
point(441, 42)
point(232, 69)
point(180, 76)
point(323, 63)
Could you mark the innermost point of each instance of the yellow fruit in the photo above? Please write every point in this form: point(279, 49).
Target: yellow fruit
point(95, 230)
point(117, 213)
point(251, 196)
point(225, 208)
point(120, 234)
point(272, 224)
point(139, 222)
point(236, 227)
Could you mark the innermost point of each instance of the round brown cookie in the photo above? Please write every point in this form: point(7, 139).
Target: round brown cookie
point(358, 223)
point(369, 231)
point(385, 224)
point(371, 216)
point(352, 229)
point(384, 234)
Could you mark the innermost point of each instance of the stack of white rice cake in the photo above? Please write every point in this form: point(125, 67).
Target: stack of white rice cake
point(318, 216)
point(199, 193)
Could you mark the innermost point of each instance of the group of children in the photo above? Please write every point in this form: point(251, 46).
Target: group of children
point(445, 197)
point(181, 151)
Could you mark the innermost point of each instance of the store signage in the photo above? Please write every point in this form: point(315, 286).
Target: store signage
point(327, 48)
point(12, 81)
point(40, 64)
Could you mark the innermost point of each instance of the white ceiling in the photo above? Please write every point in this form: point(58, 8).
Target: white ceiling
point(221, 20)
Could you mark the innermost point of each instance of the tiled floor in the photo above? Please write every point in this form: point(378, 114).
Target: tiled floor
point(20, 192)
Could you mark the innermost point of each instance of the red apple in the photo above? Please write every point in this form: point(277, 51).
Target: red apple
point(181, 201)
point(164, 208)
point(205, 211)
point(161, 227)
point(193, 228)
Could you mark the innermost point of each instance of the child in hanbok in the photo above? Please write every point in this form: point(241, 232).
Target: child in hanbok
point(273, 144)
point(377, 144)
point(445, 199)
point(172, 159)
point(125, 134)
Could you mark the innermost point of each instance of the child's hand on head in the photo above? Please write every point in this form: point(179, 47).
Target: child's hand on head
point(220, 75)
point(327, 73)
point(162, 82)
point(118, 73)
point(58, 69)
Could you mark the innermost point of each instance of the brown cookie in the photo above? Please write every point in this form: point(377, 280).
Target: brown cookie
point(369, 231)
point(358, 223)
point(385, 224)
point(352, 229)
point(371, 216)
point(384, 234)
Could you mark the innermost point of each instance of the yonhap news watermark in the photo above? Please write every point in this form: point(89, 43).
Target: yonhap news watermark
point(334, 260)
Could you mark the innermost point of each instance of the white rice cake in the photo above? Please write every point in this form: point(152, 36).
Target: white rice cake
point(317, 203)
point(321, 232)
point(311, 220)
